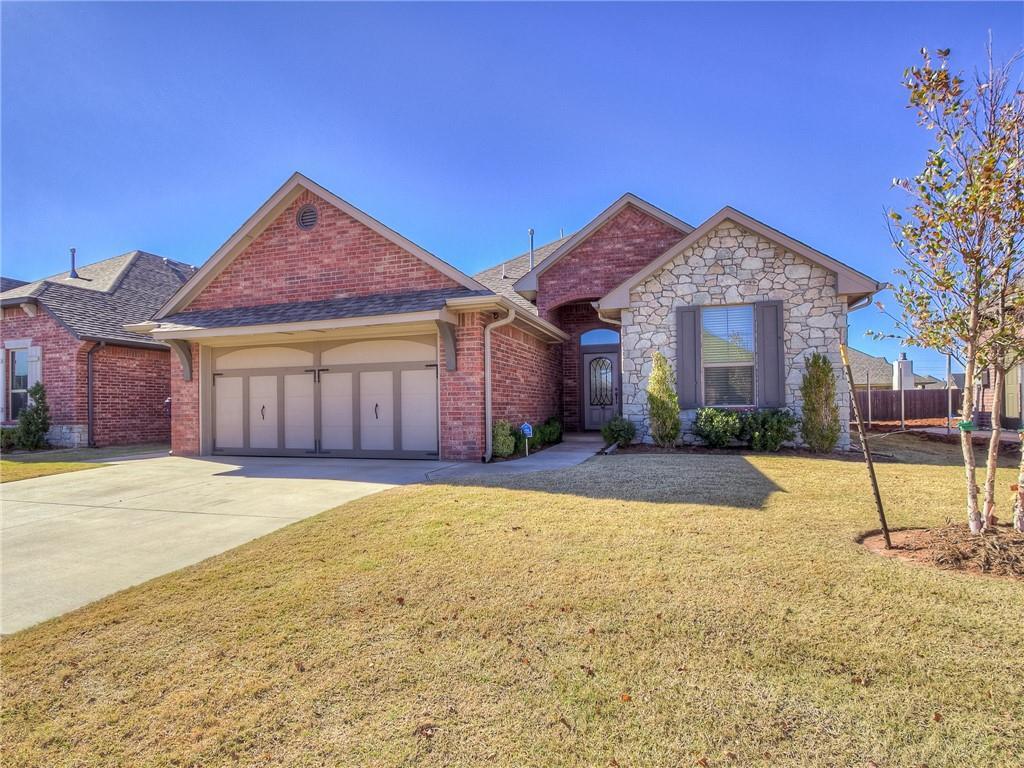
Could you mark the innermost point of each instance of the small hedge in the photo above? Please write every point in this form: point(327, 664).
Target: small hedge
point(762, 430)
point(509, 440)
point(619, 430)
point(503, 439)
point(717, 427)
point(768, 429)
point(8, 439)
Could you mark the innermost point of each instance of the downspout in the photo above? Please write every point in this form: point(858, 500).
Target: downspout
point(90, 408)
point(487, 379)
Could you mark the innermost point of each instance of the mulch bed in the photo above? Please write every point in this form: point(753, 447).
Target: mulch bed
point(998, 551)
point(851, 455)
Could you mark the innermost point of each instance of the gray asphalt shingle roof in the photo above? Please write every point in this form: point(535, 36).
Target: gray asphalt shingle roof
point(7, 283)
point(306, 311)
point(514, 269)
point(129, 288)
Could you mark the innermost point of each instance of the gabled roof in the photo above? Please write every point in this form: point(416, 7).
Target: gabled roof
point(106, 295)
point(501, 278)
point(851, 283)
point(269, 211)
point(527, 284)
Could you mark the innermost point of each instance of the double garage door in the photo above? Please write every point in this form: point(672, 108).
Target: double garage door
point(365, 399)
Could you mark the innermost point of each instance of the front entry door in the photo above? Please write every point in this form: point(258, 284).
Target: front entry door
point(600, 388)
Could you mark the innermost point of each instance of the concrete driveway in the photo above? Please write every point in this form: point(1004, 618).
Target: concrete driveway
point(74, 538)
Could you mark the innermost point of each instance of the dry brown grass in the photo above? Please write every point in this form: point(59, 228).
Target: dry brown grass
point(25, 470)
point(633, 611)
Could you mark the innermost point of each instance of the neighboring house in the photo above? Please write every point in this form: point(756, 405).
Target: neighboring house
point(104, 385)
point(6, 283)
point(878, 373)
point(316, 330)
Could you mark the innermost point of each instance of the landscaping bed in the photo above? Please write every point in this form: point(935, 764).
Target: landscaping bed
point(997, 552)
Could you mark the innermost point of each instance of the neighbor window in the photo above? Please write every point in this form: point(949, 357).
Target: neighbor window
point(727, 351)
point(17, 382)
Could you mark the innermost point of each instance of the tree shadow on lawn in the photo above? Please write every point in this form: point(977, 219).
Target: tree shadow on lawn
point(721, 480)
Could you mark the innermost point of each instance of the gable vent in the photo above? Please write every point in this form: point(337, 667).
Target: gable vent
point(307, 217)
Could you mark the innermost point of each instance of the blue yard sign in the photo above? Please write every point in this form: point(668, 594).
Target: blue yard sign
point(527, 430)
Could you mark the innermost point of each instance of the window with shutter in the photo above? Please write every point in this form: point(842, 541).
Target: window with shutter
point(727, 355)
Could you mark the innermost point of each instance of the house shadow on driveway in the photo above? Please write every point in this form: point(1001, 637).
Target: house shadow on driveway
point(370, 471)
point(721, 480)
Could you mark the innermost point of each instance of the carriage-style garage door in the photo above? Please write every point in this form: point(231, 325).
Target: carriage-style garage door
point(374, 399)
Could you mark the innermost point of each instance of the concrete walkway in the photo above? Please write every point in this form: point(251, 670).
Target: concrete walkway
point(575, 448)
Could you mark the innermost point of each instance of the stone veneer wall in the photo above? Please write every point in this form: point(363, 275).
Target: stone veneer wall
point(731, 265)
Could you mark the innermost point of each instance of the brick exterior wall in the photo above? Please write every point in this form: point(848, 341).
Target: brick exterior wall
point(130, 386)
point(63, 362)
point(575, 319)
point(462, 392)
point(525, 377)
point(626, 244)
point(524, 384)
point(185, 407)
point(339, 257)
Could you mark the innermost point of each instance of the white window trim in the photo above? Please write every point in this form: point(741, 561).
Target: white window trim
point(9, 390)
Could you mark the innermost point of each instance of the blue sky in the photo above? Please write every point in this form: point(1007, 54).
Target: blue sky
point(163, 126)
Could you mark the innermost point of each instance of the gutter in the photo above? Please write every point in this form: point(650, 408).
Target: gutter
point(90, 407)
point(865, 300)
point(487, 380)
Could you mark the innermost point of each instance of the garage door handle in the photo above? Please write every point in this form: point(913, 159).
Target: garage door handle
point(376, 406)
point(263, 413)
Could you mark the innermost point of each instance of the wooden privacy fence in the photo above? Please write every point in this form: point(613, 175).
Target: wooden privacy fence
point(918, 404)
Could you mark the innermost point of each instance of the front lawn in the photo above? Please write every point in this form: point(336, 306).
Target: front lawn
point(638, 610)
point(11, 470)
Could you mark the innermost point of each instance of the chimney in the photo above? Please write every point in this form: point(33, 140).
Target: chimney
point(902, 373)
point(530, 231)
point(74, 272)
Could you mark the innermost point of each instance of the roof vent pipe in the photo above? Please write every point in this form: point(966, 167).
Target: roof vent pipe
point(73, 275)
point(530, 231)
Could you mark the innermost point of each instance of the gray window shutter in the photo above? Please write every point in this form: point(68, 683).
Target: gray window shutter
point(688, 356)
point(770, 355)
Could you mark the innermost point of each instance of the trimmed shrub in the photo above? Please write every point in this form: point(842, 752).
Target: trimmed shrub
point(662, 403)
point(552, 431)
point(503, 439)
point(768, 429)
point(618, 430)
point(819, 426)
point(34, 420)
point(8, 439)
point(717, 427)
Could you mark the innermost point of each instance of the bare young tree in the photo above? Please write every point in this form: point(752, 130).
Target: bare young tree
point(960, 237)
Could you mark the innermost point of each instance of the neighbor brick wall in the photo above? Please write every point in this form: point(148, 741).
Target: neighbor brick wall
point(462, 392)
point(185, 407)
point(575, 319)
point(339, 257)
point(130, 386)
point(63, 362)
point(526, 374)
point(623, 246)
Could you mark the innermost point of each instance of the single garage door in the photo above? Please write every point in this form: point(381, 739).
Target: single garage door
point(373, 399)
